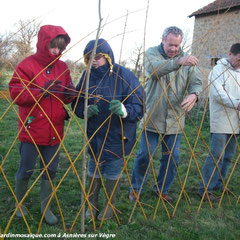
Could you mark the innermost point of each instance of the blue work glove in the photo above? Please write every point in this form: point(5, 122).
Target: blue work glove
point(118, 108)
point(92, 111)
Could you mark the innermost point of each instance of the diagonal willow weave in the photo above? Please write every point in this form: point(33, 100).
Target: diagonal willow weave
point(68, 185)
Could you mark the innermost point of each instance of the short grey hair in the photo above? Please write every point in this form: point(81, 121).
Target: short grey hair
point(173, 30)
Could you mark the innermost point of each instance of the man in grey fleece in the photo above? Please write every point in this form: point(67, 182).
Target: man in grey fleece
point(172, 88)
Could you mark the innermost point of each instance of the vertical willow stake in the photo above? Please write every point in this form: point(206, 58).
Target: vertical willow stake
point(144, 79)
point(85, 119)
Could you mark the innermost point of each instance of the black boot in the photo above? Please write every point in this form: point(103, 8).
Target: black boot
point(93, 197)
point(20, 190)
point(45, 194)
point(110, 184)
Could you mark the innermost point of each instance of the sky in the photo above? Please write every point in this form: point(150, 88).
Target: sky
point(80, 19)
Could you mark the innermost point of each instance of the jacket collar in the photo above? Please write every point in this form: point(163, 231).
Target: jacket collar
point(227, 64)
point(100, 72)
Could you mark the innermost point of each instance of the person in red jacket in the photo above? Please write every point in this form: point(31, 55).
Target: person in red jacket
point(40, 86)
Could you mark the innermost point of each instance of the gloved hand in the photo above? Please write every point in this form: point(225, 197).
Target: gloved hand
point(70, 91)
point(52, 86)
point(92, 111)
point(118, 108)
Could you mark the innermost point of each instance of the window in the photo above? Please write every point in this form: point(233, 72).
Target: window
point(214, 61)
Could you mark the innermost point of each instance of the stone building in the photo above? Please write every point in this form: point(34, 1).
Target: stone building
point(216, 28)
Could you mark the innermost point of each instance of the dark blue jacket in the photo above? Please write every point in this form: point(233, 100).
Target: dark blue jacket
point(105, 85)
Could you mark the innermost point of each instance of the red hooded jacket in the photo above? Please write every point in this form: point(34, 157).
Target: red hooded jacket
point(41, 118)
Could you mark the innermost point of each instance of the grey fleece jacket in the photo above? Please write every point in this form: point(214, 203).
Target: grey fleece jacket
point(166, 86)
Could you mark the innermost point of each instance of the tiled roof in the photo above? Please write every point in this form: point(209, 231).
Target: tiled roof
point(216, 6)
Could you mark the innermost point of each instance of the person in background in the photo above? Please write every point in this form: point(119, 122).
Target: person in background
point(224, 106)
point(115, 105)
point(41, 83)
point(172, 88)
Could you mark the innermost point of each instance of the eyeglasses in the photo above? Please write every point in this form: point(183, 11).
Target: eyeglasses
point(96, 58)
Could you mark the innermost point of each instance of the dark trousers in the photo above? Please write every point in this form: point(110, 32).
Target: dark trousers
point(29, 154)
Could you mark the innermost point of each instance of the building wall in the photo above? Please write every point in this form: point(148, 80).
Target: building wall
point(214, 35)
point(212, 38)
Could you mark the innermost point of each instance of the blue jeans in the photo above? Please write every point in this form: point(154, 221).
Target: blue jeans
point(111, 169)
point(170, 144)
point(218, 143)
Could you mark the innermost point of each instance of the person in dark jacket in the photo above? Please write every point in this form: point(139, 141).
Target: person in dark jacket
point(40, 85)
point(115, 105)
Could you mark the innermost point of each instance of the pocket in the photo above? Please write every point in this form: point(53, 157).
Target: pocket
point(59, 114)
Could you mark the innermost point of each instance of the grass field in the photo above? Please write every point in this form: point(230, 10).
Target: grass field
point(191, 221)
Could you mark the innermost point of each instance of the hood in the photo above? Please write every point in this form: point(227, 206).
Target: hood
point(45, 35)
point(102, 47)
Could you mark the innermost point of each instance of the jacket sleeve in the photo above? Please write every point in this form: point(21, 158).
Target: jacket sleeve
point(133, 98)
point(78, 102)
point(156, 64)
point(195, 81)
point(216, 83)
point(22, 92)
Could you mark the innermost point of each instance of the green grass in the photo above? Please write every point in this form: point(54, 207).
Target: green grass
point(5, 76)
point(188, 223)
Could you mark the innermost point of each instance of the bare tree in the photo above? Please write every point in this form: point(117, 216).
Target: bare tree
point(137, 60)
point(6, 49)
point(23, 39)
point(76, 69)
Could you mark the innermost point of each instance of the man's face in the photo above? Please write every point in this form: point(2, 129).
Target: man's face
point(171, 44)
point(234, 60)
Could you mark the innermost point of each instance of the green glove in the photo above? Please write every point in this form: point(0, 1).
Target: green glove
point(92, 111)
point(118, 108)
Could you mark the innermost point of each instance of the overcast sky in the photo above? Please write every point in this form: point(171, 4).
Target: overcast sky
point(80, 19)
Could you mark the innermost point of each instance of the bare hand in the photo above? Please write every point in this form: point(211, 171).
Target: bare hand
point(188, 102)
point(188, 60)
